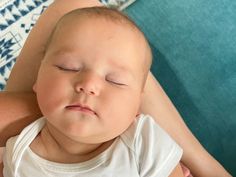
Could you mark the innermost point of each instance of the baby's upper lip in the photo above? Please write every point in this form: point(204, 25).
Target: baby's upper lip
point(81, 106)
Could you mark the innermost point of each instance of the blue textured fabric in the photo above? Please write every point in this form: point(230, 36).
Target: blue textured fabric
point(194, 46)
point(17, 17)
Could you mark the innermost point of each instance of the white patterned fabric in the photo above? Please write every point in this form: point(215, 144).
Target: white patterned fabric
point(143, 150)
point(118, 4)
point(17, 17)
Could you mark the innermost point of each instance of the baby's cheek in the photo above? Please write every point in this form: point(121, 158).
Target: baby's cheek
point(49, 104)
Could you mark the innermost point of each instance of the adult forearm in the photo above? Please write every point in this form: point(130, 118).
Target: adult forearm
point(18, 109)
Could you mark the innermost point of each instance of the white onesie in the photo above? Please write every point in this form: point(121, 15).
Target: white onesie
point(144, 149)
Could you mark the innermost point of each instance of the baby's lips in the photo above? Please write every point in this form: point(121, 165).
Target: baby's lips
point(81, 107)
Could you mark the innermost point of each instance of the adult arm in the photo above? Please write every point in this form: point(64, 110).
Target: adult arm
point(17, 110)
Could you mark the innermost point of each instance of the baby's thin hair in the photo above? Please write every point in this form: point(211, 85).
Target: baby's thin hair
point(109, 14)
point(106, 13)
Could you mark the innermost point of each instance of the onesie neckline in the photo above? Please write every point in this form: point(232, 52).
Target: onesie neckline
point(80, 167)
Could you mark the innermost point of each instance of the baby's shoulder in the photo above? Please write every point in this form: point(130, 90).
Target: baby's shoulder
point(16, 145)
point(11, 144)
point(152, 147)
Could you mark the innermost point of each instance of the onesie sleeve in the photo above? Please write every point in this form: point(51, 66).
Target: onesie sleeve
point(7, 157)
point(156, 152)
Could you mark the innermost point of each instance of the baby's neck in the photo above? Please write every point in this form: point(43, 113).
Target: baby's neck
point(63, 150)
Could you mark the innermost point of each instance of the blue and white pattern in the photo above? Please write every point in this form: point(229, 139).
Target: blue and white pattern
point(118, 4)
point(17, 17)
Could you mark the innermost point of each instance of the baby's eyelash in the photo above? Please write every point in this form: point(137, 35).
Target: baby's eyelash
point(67, 69)
point(116, 83)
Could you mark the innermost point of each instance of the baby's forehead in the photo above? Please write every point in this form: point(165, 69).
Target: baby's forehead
point(74, 22)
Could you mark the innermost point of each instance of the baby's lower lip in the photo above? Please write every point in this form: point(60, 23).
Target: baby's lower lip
point(80, 109)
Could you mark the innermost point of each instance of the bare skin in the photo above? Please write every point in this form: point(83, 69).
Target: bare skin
point(155, 101)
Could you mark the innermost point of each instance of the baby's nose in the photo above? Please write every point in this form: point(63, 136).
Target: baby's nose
point(89, 84)
point(88, 91)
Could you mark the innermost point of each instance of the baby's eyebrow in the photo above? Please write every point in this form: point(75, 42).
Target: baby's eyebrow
point(62, 54)
point(124, 71)
point(113, 62)
point(64, 57)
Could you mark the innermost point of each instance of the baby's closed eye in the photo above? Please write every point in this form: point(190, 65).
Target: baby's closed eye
point(68, 68)
point(116, 82)
point(117, 79)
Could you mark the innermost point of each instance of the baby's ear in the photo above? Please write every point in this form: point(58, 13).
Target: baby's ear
point(35, 87)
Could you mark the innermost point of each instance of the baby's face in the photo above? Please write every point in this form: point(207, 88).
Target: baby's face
point(89, 84)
